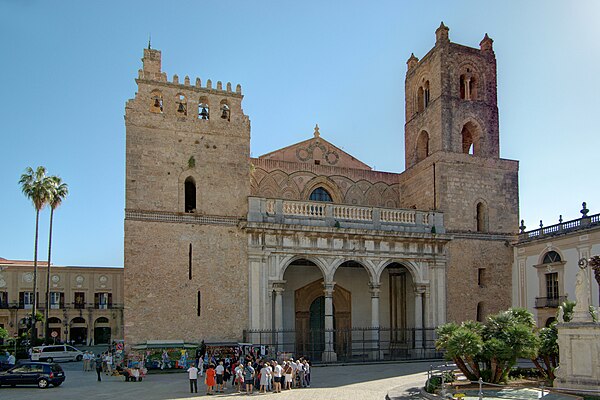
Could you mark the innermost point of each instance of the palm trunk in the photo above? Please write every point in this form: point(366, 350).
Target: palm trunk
point(475, 366)
point(47, 333)
point(35, 254)
point(464, 369)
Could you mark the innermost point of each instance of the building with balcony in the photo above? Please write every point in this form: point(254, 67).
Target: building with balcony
point(546, 262)
point(86, 303)
point(307, 249)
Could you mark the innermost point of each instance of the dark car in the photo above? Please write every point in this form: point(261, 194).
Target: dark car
point(33, 373)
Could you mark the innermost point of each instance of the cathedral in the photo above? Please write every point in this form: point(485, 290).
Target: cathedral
point(307, 249)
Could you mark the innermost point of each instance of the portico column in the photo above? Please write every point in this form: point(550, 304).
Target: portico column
point(329, 353)
point(375, 289)
point(418, 318)
point(278, 288)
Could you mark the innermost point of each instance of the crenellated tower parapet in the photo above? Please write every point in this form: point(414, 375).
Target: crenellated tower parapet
point(199, 102)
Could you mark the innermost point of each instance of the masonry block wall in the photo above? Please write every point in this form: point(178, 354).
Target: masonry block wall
point(187, 182)
point(453, 165)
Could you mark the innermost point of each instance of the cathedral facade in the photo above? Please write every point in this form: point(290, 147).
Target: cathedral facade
point(307, 248)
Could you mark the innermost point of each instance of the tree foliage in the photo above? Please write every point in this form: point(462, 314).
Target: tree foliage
point(3, 333)
point(490, 350)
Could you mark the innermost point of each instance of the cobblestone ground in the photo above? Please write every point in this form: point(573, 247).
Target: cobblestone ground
point(357, 382)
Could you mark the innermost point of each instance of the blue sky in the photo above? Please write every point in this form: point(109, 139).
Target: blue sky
point(67, 68)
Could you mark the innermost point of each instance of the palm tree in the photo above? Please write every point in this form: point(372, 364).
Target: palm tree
point(35, 186)
point(58, 191)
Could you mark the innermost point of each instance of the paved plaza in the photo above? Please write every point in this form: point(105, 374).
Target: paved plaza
point(360, 382)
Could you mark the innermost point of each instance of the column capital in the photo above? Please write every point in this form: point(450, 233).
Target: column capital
point(421, 289)
point(278, 286)
point(375, 289)
point(328, 288)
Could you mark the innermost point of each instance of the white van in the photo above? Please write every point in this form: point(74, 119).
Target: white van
point(60, 352)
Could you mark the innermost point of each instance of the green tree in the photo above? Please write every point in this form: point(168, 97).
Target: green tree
point(490, 350)
point(3, 333)
point(57, 193)
point(35, 185)
point(548, 351)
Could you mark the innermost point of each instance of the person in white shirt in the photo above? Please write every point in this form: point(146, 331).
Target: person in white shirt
point(11, 361)
point(109, 361)
point(193, 375)
point(294, 369)
point(220, 370)
point(307, 373)
point(277, 377)
point(270, 378)
point(239, 376)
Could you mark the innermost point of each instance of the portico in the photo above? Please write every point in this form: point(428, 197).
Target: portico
point(313, 286)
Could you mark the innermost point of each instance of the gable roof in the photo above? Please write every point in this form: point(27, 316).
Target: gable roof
point(316, 150)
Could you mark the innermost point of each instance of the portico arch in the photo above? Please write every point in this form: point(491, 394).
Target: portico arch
point(301, 260)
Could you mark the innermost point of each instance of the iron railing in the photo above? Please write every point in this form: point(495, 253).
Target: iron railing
point(348, 345)
point(549, 302)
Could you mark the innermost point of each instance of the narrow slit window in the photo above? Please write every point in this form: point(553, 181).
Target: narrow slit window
point(199, 302)
point(190, 262)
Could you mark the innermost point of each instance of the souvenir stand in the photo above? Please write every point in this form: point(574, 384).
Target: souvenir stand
point(162, 354)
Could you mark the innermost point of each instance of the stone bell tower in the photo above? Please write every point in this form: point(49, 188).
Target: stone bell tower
point(453, 165)
point(187, 182)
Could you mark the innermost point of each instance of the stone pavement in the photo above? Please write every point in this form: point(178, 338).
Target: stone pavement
point(360, 382)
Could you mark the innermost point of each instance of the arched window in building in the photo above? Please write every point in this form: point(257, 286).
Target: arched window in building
point(203, 109)
point(549, 322)
point(426, 94)
point(422, 146)
point(102, 320)
point(190, 195)
point(156, 104)
point(468, 86)
point(181, 104)
point(482, 217)
point(225, 110)
point(320, 194)
point(470, 139)
point(420, 99)
point(551, 257)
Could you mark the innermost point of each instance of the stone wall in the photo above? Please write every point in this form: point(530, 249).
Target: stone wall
point(161, 301)
point(169, 141)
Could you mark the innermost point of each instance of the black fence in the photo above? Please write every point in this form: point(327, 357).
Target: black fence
point(348, 345)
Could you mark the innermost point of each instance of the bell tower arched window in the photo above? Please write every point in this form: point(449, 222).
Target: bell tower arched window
point(426, 95)
point(190, 195)
point(320, 194)
point(225, 110)
point(181, 105)
point(420, 99)
point(422, 146)
point(470, 139)
point(203, 109)
point(156, 103)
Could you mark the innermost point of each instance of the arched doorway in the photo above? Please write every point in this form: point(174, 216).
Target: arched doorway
point(101, 331)
point(79, 331)
point(310, 320)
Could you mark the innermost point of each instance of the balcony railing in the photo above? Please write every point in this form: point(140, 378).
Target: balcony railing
point(549, 302)
point(563, 227)
point(321, 214)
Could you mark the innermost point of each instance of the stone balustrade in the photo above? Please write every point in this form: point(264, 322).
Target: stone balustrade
point(322, 214)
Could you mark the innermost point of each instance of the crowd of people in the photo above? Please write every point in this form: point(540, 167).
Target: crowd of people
point(249, 374)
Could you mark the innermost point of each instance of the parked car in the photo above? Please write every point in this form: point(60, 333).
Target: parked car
point(33, 373)
point(60, 352)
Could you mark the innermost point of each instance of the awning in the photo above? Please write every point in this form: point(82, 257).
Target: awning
point(164, 344)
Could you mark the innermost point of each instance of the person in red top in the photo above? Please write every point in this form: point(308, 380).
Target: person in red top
point(209, 380)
